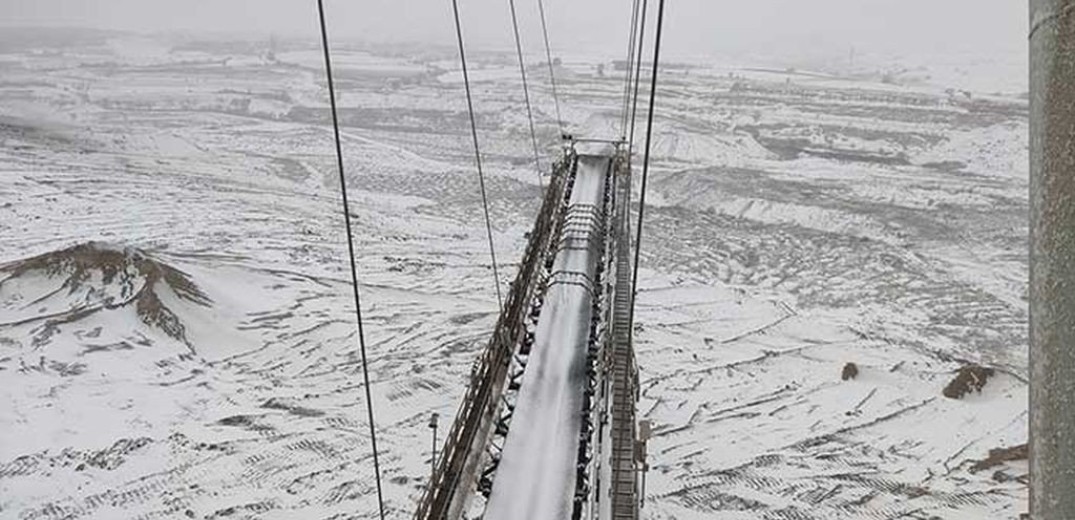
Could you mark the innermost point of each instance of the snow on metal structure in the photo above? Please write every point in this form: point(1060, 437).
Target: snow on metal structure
point(546, 429)
point(454, 478)
point(539, 469)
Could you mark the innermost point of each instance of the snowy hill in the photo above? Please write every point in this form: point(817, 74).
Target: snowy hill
point(86, 282)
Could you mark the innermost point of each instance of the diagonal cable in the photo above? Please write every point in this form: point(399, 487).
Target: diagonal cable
point(638, 78)
point(627, 71)
point(526, 91)
point(477, 151)
point(351, 254)
point(645, 165)
point(552, 74)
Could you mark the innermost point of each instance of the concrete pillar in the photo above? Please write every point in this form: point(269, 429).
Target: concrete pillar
point(1052, 259)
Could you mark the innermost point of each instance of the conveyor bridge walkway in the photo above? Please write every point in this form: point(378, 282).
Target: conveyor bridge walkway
point(546, 429)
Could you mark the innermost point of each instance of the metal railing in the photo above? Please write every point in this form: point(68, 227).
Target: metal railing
point(623, 395)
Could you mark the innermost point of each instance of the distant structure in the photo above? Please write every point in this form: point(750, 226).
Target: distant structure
point(270, 55)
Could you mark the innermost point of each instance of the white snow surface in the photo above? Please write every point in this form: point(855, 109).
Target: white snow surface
point(799, 226)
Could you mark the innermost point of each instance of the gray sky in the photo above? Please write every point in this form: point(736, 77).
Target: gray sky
point(693, 26)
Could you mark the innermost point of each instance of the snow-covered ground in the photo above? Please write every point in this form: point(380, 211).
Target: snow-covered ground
point(176, 323)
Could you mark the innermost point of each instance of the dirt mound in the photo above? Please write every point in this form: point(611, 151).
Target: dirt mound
point(971, 378)
point(998, 456)
point(95, 276)
point(850, 371)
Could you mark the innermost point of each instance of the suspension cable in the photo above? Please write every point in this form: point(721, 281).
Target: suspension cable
point(477, 152)
point(627, 70)
point(351, 254)
point(638, 79)
point(552, 73)
point(645, 165)
point(526, 91)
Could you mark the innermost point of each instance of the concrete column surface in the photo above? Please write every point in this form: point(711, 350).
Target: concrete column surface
point(1052, 259)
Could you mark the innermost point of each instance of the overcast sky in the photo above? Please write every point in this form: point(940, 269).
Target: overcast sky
point(693, 26)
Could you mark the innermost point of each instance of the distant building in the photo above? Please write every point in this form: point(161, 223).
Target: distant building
point(622, 65)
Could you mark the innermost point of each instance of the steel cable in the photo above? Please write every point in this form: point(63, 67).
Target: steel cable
point(351, 254)
point(526, 91)
point(638, 79)
point(645, 165)
point(477, 151)
point(552, 73)
point(627, 70)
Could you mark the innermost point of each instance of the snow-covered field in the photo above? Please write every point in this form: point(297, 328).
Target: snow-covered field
point(176, 324)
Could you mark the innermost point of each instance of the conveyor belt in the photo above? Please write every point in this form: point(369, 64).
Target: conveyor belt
point(536, 477)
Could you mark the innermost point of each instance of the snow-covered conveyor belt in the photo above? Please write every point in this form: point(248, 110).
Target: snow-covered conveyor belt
point(536, 478)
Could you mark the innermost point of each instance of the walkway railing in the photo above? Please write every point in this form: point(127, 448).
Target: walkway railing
point(623, 378)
